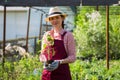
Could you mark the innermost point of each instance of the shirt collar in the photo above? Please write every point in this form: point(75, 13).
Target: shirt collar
point(61, 32)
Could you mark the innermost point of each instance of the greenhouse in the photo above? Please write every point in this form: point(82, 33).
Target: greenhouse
point(93, 23)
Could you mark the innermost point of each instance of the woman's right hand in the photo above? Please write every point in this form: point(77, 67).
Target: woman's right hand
point(42, 58)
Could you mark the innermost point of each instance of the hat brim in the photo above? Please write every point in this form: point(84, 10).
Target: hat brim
point(47, 19)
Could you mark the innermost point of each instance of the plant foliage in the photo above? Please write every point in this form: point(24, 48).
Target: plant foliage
point(90, 33)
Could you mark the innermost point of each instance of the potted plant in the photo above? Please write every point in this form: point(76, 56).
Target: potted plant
point(47, 49)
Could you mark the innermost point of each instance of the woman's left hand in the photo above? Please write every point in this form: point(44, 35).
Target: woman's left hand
point(53, 66)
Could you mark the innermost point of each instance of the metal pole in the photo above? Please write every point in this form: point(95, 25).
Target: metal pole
point(28, 25)
point(46, 24)
point(35, 40)
point(4, 36)
point(97, 8)
point(40, 32)
point(107, 35)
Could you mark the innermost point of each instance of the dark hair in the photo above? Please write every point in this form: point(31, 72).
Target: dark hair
point(62, 21)
point(63, 24)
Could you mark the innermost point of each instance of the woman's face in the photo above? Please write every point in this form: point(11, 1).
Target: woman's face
point(56, 21)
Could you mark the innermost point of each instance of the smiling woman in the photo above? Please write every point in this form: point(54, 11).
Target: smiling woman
point(63, 48)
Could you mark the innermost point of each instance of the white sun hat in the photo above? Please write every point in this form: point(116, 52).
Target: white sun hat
point(55, 11)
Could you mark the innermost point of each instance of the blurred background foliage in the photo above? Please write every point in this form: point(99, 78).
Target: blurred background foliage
point(90, 32)
point(90, 36)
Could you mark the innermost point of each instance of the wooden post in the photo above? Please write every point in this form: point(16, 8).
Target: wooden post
point(46, 24)
point(4, 37)
point(28, 25)
point(35, 46)
point(40, 31)
point(107, 35)
point(97, 8)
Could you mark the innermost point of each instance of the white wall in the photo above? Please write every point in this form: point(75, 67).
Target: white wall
point(17, 18)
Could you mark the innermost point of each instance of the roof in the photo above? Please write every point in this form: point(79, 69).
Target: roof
point(57, 2)
point(14, 8)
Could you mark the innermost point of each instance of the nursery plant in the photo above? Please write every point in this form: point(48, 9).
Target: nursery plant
point(90, 32)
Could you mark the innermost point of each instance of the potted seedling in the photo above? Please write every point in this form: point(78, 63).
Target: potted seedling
point(48, 49)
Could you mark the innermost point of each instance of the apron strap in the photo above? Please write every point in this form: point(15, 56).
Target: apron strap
point(63, 35)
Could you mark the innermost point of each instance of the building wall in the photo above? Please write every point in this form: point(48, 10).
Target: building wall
point(17, 19)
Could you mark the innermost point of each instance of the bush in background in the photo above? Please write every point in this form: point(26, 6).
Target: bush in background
point(90, 33)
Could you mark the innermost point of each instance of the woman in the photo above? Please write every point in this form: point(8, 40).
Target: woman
point(58, 48)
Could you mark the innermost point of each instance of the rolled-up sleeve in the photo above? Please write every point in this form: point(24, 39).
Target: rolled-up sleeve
point(69, 44)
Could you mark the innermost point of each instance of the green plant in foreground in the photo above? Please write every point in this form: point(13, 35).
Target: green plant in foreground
point(95, 70)
point(25, 69)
